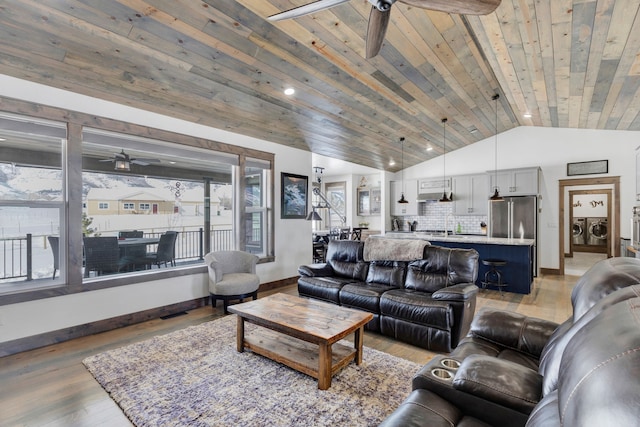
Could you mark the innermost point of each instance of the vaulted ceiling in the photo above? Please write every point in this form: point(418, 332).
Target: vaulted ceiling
point(222, 63)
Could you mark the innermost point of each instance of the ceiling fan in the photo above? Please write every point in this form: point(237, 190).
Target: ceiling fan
point(123, 162)
point(381, 11)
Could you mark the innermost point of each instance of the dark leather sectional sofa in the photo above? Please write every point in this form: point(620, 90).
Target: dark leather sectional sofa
point(421, 294)
point(513, 370)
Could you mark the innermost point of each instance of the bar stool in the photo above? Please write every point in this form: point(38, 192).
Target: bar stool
point(493, 277)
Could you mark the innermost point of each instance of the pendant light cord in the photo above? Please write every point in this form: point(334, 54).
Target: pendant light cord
point(402, 146)
point(444, 151)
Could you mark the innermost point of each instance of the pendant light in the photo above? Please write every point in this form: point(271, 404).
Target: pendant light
point(313, 215)
point(496, 197)
point(402, 199)
point(445, 197)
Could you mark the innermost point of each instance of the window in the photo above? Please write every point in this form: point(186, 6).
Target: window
point(159, 183)
point(169, 194)
point(32, 200)
point(336, 194)
point(257, 206)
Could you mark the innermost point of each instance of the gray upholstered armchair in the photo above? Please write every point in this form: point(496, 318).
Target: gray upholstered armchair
point(232, 276)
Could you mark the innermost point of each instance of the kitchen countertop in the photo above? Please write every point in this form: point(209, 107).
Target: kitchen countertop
point(457, 238)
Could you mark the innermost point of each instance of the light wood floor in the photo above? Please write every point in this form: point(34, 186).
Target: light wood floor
point(51, 387)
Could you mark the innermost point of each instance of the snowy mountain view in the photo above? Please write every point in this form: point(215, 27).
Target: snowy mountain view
point(31, 201)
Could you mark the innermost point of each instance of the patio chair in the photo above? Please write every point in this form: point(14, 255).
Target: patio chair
point(55, 248)
point(102, 255)
point(165, 252)
point(232, 276)
point(135, 252)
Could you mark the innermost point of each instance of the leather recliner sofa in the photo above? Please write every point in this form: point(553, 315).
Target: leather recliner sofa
point(425, 297)
point(513, 370)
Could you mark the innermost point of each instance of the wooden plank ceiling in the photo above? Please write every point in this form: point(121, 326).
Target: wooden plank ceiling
point(221, 63)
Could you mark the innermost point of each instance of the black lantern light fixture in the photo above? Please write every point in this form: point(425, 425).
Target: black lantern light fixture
point(445, 197)
point(402, 199)
point(496, 197)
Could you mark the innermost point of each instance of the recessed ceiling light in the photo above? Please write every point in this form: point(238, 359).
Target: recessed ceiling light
point(392, 163)
point(527, 115)
point(473, 130)
point(172, 162)
point(2, 139)
point(429, 148)
point(289, 91)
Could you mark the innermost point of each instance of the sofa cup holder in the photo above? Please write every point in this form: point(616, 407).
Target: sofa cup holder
point(450, 363)
point(442, 374)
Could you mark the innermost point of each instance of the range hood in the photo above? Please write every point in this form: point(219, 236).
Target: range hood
point(432, 189)
point(429, 197)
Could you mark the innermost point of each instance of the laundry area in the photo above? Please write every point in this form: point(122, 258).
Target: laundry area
point(590, 213)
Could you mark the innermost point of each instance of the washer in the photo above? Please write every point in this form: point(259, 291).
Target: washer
point(579, 231)
point(597, 231)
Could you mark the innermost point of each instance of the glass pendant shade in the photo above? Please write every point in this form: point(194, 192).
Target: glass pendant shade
point(122, 165)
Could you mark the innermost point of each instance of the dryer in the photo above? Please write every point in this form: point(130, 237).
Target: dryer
point(579, 231)
point(597, 231)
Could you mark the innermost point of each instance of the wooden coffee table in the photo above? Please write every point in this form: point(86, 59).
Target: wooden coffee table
point(302, 333)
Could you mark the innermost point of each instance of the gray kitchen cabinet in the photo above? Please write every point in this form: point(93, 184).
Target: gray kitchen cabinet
point(515, 182)
point(410, 194)
point(470, 195)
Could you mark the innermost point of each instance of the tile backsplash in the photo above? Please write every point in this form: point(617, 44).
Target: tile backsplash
point(432, 215)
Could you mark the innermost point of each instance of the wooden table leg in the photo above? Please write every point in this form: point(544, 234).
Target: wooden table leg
point(240, 335)
point(357, 343)
point(324, 368)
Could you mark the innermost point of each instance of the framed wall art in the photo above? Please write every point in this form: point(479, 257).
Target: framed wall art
point(588, 168)
point(294, 196)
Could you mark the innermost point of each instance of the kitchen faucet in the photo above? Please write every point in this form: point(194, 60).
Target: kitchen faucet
point(446, 225)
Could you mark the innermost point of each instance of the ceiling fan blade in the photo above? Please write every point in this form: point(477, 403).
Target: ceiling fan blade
point(306, 9)
point(144, 162)
point(460, 7)
point(378, 23)
point(106, 160)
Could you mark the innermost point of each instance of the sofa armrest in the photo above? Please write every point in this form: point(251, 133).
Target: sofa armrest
point(459, 292)
point(513, 330)
point(315, 270)
point(500, 381)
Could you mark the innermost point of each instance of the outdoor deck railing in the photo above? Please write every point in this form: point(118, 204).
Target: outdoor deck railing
point(17, 259)
point(16, 255)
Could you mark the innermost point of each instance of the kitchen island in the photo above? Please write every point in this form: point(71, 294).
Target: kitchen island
point(518, 253)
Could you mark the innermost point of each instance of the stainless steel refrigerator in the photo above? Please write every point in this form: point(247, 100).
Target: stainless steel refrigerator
point(515, 218)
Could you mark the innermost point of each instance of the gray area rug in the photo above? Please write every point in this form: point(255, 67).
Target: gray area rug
point(195, 377)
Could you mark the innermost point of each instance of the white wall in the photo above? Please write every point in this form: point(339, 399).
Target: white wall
point(550, 149)
point(50, 314)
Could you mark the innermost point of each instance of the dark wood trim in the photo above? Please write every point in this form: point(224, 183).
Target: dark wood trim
point(615, 211)
point(27, 108)
point(61, 335)
point(278, 284)
point(66, 334)
point(551, 271)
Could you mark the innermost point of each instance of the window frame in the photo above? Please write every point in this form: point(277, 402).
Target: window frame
point(72, 157)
